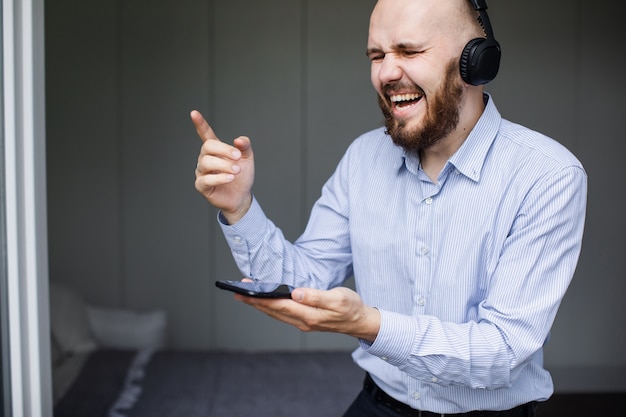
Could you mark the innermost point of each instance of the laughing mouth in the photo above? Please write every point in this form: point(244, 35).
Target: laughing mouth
point(405, 100)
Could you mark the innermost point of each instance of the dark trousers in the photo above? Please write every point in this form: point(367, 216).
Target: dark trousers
point(366, 405)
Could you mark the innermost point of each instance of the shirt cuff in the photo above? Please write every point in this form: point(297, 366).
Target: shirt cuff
point(248, 231)
point(395, 338)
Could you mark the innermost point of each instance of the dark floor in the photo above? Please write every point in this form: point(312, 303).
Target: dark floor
point(584, 405)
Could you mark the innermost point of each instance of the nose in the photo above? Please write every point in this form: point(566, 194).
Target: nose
point(389, 69)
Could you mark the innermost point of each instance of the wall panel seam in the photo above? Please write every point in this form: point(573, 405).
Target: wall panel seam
point(304, 82)
point(120, 171)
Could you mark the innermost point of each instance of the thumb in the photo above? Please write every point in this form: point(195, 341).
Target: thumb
point(244, 145)
point(298, 295)
point(308, 296)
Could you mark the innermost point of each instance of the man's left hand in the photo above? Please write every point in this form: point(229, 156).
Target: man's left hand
point(339, 310)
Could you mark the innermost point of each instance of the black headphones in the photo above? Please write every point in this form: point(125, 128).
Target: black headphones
point(480, 59)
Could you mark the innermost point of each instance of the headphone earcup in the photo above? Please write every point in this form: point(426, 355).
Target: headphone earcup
point(480, 61)
point(465, 64)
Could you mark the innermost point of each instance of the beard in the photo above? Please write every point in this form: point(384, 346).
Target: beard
point(441, 118)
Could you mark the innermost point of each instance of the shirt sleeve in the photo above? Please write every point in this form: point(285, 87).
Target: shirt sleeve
point(320, 258)
point(514, 319)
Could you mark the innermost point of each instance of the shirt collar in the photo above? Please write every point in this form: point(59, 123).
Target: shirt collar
point(470, 158)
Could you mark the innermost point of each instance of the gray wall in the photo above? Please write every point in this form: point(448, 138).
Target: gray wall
point(127, 228)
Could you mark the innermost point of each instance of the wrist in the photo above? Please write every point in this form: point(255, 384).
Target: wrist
point(233, 216)
point(370, 327)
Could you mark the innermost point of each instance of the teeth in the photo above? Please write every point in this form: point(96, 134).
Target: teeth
point(404, 97)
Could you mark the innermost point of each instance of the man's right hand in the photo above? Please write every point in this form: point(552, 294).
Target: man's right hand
point(225, 173)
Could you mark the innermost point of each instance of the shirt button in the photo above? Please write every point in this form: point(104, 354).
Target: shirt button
point(416, 396)
point(421, 301)
point(424, 250)
point(429, 201)
point(434, 380)
point(237, 239)
point(384, 358)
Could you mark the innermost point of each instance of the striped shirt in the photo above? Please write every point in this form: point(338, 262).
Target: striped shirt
point(467, 272)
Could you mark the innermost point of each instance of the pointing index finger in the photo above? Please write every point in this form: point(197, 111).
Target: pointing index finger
point(202, 127)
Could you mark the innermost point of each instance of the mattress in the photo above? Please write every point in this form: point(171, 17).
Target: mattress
point(124, 383)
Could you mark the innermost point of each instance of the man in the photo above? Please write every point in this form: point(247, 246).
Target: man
point(462, 231)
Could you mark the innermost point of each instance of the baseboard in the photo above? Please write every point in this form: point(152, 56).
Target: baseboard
point(589, 380)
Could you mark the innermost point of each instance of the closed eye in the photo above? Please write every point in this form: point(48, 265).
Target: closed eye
point(409, 53)
point(375, 55)
point(409, 49)
point(405, 53)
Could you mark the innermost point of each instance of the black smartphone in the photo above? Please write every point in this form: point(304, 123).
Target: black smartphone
point(257, 289)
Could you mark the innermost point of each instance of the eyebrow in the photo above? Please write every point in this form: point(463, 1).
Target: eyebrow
point(406, 45)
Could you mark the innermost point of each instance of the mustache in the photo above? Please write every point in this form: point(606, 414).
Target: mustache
point(391, 88)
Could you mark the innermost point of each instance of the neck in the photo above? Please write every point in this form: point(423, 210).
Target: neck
point(434, 158)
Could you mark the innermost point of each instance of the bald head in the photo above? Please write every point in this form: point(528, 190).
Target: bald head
point(456, 20)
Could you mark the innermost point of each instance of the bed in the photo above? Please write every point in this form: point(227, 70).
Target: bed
point(180, 383)
point(132, 374)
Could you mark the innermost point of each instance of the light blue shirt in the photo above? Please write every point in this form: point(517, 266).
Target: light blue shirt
point(467, 272)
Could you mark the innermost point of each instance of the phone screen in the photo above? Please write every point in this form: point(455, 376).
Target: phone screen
point(257, 289)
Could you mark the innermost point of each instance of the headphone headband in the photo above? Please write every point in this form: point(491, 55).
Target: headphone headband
point(479, 4)
point(480, 59)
